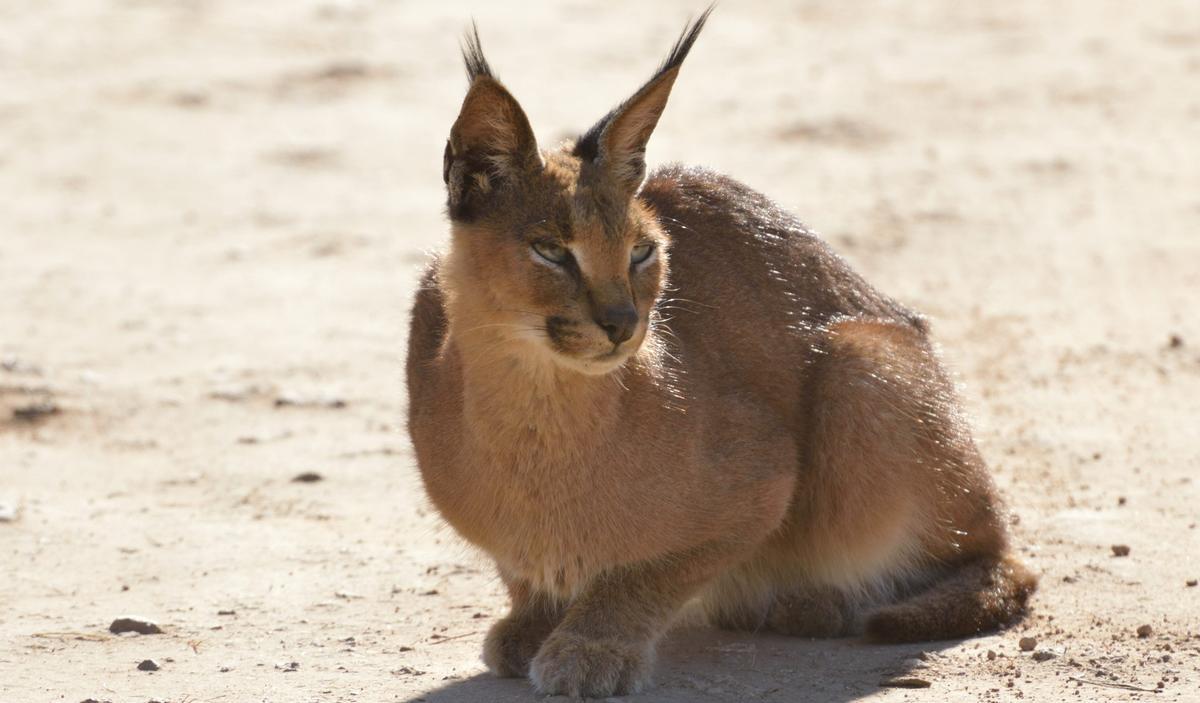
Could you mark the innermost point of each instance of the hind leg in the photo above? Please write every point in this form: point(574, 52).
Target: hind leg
point(898, 484)
point(891, 497)
point(892, 501)
point(892, 465)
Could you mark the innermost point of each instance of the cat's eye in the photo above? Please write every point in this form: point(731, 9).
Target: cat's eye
point(640, 253)
point(553, 252)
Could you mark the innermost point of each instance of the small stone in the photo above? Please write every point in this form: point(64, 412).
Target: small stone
point(234, 394)
point(36, 411)
point(1027, 644)
point(1144, 631)
point(141, 626)
point(190, 99)
point(905, 682)
point(1121, 500)
point(320, 401)
point(226, 612)
point(1175, 342)
point(1043, 655)
point(991, 655)
point(148, 665)
point(1191, 583)
point(307, 477)
point(288, 666)
point(1120, 550)
point(12, 364)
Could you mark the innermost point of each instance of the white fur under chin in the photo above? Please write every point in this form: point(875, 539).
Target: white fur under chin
point(592, 367)
point(545, 353)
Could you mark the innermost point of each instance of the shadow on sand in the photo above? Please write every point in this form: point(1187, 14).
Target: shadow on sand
point(697, 664)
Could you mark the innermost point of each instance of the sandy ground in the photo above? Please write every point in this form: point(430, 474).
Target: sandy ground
point(212, 214)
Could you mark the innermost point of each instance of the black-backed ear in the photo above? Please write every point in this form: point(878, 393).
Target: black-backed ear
point(617, 143)
point(491, 143)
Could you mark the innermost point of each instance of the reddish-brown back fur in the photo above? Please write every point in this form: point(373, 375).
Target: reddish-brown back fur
point(777, 438)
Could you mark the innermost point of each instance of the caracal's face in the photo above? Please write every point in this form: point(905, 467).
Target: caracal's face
point(566, 267)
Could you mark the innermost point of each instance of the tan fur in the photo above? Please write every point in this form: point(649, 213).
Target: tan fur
point(776, 439)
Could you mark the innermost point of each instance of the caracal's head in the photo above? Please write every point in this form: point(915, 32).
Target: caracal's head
point(552, 249)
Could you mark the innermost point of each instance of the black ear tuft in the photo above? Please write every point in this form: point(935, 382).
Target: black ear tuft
point(473, 57)
point(588, 146)
point(491, 145)
point(683, 45)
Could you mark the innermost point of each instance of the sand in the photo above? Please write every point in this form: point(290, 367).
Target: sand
point(213, 214)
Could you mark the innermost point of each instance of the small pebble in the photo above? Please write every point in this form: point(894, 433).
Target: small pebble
point(293, 400)
point(307, 477)
point(1175, 342)
point(1120, 550)
point(288, 666)
point(1145, 631)
point(905, 682)
point(1191, 583)
point(1027, 644)
point(35, 411)
point(991, 655)
point(12, 364)
point(1043, 655)
point(141, 626)
point(148, 665)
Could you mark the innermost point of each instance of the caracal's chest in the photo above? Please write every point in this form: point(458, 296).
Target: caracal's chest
point(552, 508)
point(556, 477)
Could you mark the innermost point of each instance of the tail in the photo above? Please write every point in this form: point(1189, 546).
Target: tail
point(979, 596)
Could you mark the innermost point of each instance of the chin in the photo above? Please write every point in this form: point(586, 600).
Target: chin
point(595, 366)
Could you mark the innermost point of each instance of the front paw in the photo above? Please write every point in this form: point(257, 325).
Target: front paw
point(511, 644)
point(570, 664)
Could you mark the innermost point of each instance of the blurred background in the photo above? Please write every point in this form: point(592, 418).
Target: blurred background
point(213, 214)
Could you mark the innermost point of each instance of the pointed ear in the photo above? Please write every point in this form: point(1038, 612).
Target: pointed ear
point(491, 144)
point(617, 143)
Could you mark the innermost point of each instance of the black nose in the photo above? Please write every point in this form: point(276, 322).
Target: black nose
point(618, 322)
